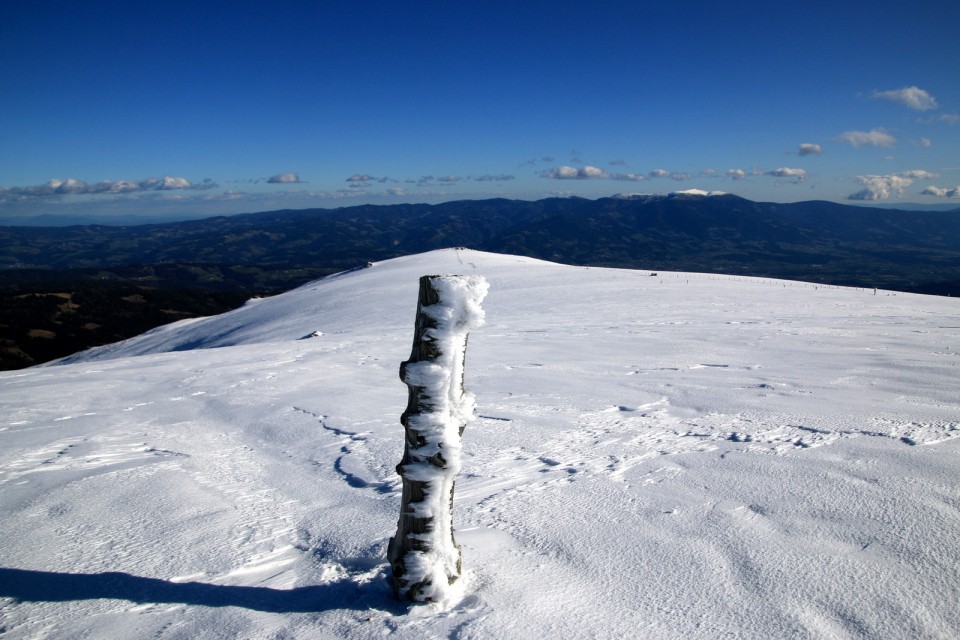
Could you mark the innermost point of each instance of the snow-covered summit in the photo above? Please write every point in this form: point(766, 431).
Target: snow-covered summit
point(365, 299)
point(666, 456)
point(671, 194)
point(698, 192)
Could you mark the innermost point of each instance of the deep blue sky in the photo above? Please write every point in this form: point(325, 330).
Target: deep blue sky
point(387, 102)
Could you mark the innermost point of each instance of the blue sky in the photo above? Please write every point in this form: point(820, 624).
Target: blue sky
point(232, 107)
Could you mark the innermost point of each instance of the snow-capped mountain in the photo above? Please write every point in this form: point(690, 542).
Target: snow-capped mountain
point(656, 455)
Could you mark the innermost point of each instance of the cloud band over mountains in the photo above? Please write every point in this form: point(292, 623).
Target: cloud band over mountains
point(73, 187)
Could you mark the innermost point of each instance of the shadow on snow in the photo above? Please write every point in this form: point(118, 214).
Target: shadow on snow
point(47, 586)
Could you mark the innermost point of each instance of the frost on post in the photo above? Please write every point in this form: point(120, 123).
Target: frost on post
point(424, 555)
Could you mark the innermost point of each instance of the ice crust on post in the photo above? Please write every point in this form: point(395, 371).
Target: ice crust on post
point(424, 555)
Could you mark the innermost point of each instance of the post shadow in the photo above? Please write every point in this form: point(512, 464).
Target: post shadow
point(46, 586)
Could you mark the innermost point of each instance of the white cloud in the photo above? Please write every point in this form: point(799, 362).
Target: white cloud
point(880, 187)
point(566, 172)
point(628, 177)
point(594, 172)
point(590, 173)
point(118, 186)
point(73, 187)
point(925, 143)
point(69, 185)
point(173, 183)
point(949, 118)
point(875, 137)
point(284, 178)
point(953, 194)
point(913, 97)
point(673, 175)
point(563, 172)
point(449, 179)
point(809, 149)
point(788, 172)
point(918, 174)
point(736, 174)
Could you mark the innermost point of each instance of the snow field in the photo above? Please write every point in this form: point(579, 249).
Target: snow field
point(674, 456)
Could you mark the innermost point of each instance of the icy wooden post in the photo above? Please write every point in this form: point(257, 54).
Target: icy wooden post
point(424, 556)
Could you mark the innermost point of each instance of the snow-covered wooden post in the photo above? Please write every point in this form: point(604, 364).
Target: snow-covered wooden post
point(424, 556)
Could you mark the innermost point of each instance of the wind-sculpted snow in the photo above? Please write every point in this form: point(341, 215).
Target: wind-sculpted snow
point(669, 456)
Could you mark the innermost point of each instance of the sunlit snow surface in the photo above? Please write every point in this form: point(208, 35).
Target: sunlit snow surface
point(667, 456)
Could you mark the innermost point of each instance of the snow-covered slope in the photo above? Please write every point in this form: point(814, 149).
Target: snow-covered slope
point(668, 456)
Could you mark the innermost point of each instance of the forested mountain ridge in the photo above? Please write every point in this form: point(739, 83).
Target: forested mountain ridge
point(147, 274)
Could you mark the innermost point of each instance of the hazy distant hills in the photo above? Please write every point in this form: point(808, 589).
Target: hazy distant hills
point(188, 268)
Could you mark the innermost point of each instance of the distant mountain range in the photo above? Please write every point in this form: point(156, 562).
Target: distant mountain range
point(126, 220)
point(261, 253)
point(815, 240)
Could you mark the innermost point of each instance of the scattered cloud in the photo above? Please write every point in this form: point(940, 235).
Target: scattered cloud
point(883, 187)
point(566, 172)
point(589, 172)
point(284, 178)
point(926, 143)
point(172, 183)
point(434, 181)
point(618, 163)
point(736, 174)
point(918, 174)
point(880, 187)
point(497, 178)
point(360, 179)
point(532, 162)
point(73, 187)
point(809, 149)
point(875, 137)
point(788, 172)
point(953, 194)
point(673, 175)
point(913, 97)
point(949, 118)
